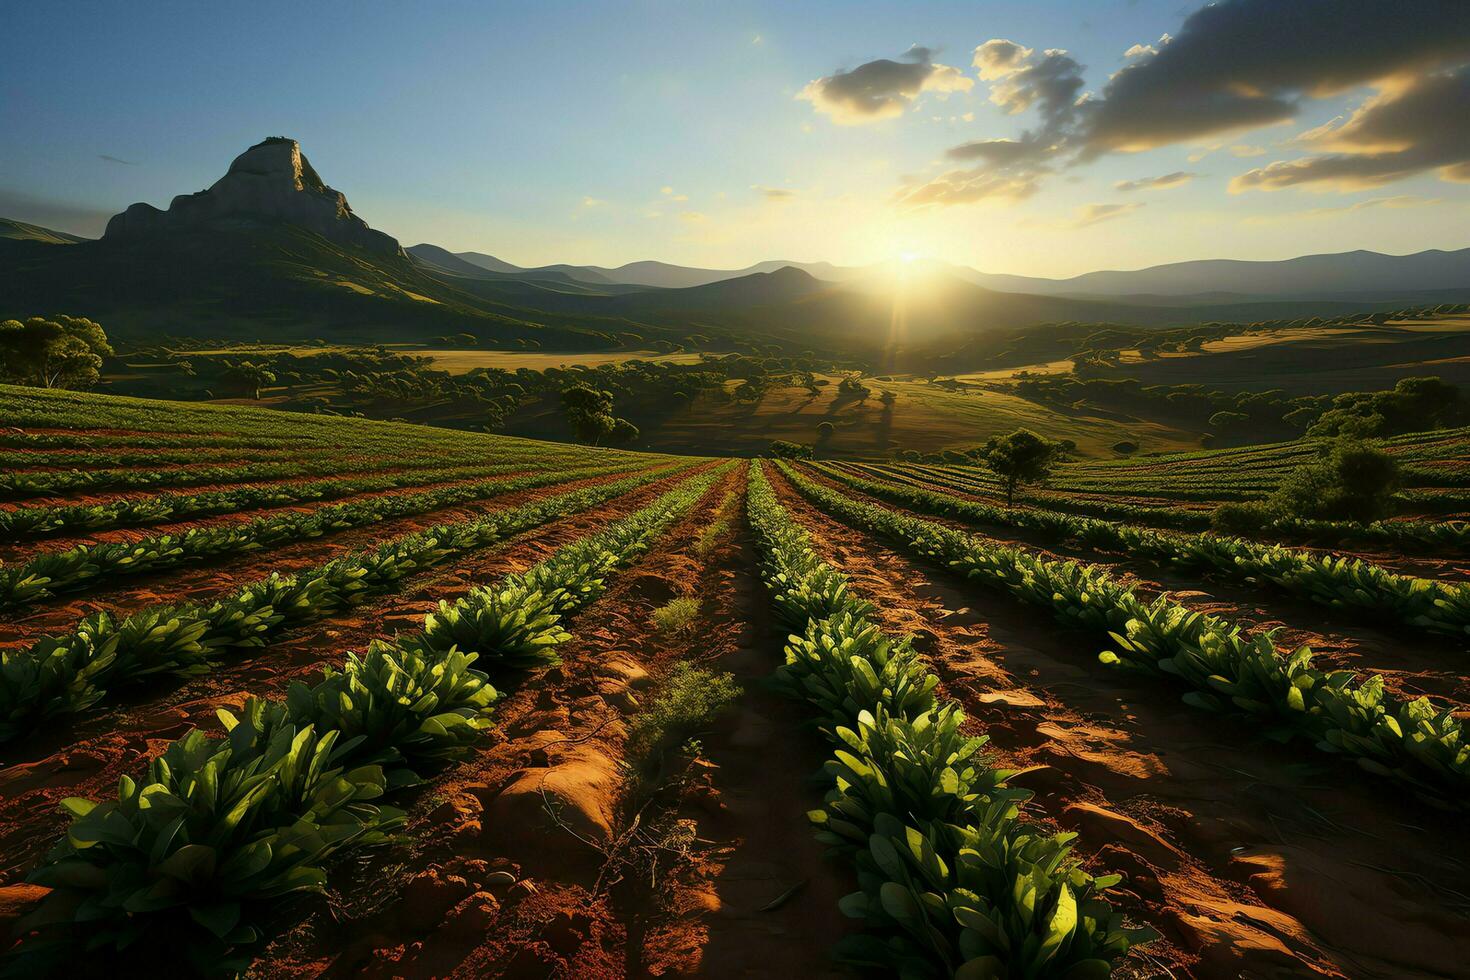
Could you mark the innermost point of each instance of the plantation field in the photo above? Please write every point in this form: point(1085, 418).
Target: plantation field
point(922, 416)
point(300, 695)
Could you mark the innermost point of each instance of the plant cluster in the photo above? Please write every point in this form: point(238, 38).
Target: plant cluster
point(223, 824)
point(1338, 582)
point(953, 882)
point(68, 674)
point(1420, 745)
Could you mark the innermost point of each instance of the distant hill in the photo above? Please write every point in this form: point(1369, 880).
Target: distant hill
point(20, 231)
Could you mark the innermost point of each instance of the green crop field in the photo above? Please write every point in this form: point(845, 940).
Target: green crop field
point(310, 654)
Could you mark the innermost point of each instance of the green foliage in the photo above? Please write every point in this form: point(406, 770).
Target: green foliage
point(1352, 481)
point(782, 449)
point(676, 615)
point(1412, 741)
point(1020, 458)
point(686, 703)
point(54, 352)
point(1414, 405)
point(952, 881)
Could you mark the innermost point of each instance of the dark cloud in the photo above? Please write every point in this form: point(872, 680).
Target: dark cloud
point(882, 89)
point(112, 159)
point(1244, 63)
point(1176, 179)
point(1411, 127)
point(1236, 65)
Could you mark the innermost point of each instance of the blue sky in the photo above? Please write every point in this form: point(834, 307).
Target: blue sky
point(606, 133)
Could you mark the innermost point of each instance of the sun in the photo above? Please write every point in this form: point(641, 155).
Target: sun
point(908, 258)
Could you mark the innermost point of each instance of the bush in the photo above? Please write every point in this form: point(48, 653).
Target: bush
point(1353, 482)
point(1241, 519)
point(1125, 447)
point(782, 449)
point(686, 703)
point(676, 616)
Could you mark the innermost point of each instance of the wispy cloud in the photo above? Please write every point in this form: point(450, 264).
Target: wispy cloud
point(1093, 214)
point(1372, 204)
point(774, 193)
point(113, 159)
point(1177, 179)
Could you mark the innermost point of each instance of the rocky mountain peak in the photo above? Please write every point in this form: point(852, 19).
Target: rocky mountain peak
point(272, 182)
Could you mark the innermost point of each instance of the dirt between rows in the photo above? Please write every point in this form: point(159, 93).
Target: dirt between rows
point(1252, 858)
point(493, 886)
point(1413, 663)
point(207, 580)
point(84, 757)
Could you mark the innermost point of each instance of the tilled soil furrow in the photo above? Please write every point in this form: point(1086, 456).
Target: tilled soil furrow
point(1249, 861)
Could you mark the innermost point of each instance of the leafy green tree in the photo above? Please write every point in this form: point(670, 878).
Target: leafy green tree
point(55, 352)
point(1353, 481)
point(1020, 458)
point(248, 378)
point(588, 411)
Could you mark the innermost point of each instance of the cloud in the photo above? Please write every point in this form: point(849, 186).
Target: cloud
point(692, 217)
point(1412, 126)
point(965, 187)
point(1176, 179)
point(113, 159)
point(1239, 64)
point(882, 89)
point(592, 202)
point(1233, 66)
point(1092, 214)
point(774, 193)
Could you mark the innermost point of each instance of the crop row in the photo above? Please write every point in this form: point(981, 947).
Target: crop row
point(126, 458)
point(1421, 535)
point(222, 826)
point(953, 882)
point(1337, 582)
point(87, 566)
point(1226, 670)
point(32, 522)
point(65, 675)
point(143, 440)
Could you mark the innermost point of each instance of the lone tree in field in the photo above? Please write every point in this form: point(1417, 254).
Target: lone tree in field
point(589, 413)
point(54, 352)
point(249, 378)
point(1020, 458)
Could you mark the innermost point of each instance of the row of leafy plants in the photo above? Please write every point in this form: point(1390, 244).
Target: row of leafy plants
point(1403, 535)
point(65, 675)
point(143, 440)
point(53, 519)
point(19, 485)
point(88, 566)
point(129, 457)
point(1338, 582)
point(953, 881)
point(1226, 670)
point(194, 855)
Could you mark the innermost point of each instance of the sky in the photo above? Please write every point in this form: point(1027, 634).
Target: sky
point(1047, 138)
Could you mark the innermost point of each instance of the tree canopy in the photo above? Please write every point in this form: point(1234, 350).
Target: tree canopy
point(1019, 458)
point(52, 352)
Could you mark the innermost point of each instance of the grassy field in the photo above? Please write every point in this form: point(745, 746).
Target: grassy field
point(923, 416)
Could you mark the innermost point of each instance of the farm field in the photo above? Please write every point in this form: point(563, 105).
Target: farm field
point(303, 695)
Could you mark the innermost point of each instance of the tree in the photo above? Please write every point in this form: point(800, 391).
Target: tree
point(1353, 481)
point(59, 352)
point(1020, 458)
point(589, 411)
point(248, 378)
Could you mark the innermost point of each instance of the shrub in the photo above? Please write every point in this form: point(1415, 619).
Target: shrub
point(686, 703)
point(1241, 518)
point(1353, 482)
point(676, 615)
